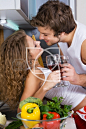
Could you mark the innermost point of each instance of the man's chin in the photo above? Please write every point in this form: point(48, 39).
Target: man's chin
point(50, 44)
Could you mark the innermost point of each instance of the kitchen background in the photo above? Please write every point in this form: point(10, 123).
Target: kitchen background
point(16, 14)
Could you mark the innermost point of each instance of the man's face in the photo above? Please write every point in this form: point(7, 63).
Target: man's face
point(47, 35)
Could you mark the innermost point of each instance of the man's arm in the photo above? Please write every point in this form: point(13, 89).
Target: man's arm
point(83, 52)
point(82, 80)
point(82, 77)
point(72, 76)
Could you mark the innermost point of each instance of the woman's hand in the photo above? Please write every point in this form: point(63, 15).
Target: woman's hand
point(52, 80)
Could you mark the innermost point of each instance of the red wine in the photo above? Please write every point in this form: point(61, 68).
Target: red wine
point(53, 67)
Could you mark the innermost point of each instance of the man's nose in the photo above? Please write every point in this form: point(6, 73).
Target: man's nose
point(41, 36)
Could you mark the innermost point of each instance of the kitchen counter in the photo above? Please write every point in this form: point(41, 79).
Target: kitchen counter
point(70, 124)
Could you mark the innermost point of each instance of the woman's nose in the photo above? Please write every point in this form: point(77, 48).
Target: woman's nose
point(41, 36)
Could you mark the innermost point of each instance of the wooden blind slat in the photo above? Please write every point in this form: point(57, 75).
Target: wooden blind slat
point(1, 37)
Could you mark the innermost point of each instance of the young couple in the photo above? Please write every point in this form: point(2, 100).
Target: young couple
point(56, 25)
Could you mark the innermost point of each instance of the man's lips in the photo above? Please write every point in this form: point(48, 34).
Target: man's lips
point(46, 41)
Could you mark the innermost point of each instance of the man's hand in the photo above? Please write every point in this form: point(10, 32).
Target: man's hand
point(71, 75)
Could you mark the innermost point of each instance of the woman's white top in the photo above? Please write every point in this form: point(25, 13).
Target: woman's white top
point(72, 94)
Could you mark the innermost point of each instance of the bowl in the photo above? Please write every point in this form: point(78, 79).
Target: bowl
point(44, 124)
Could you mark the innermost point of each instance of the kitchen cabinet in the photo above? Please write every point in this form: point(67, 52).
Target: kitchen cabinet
point(16, 12)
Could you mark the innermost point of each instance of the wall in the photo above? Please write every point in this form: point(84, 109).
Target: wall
point(39, 3)
point(7, 33)
point(81, 11)
point(65, 1)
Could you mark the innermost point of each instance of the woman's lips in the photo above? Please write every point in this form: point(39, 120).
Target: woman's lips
point(46, 41)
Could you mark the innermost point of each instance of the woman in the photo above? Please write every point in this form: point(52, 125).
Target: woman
point(14, 68)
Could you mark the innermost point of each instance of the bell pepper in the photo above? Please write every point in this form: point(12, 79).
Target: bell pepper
point(52, 124)
point(30, 111)
point(44, 108)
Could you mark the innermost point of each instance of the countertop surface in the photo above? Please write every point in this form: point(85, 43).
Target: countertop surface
point(70, 124)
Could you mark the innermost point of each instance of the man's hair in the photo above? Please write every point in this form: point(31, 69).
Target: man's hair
point(55, 15)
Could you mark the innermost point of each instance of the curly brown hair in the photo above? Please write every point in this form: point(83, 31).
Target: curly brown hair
point(55, 15)
point(12, 68)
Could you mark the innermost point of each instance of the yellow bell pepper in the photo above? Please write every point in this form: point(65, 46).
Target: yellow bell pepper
point(30, 111)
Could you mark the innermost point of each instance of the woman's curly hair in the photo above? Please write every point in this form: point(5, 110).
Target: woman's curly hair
point(13, 68)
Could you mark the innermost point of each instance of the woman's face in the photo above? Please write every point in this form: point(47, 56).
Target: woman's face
point(34, 47)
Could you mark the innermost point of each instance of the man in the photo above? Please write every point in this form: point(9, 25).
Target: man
point(56, 24)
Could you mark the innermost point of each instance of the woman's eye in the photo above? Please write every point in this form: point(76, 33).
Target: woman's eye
point(45, 35)
point(35, 45)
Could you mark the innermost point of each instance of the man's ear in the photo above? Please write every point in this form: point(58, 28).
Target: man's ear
point(62, 34)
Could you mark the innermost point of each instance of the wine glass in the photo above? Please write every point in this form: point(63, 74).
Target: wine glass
point(63, 63)
point(52, 62)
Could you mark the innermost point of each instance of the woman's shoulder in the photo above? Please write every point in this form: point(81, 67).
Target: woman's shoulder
point(36, 72)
